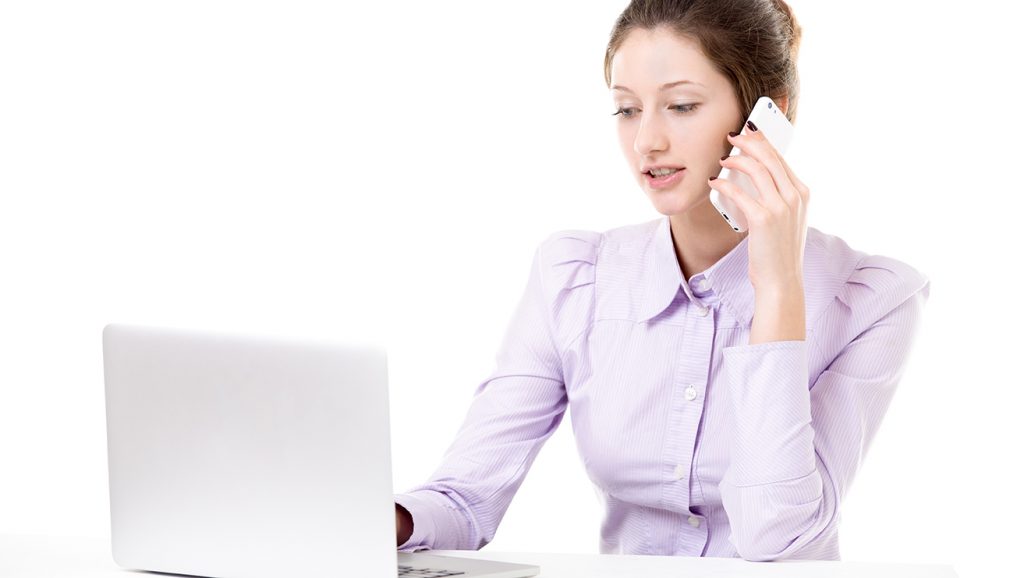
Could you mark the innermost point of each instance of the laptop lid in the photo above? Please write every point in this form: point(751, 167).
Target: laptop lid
point(235, 456)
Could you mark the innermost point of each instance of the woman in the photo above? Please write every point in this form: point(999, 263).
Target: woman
point(724, 387)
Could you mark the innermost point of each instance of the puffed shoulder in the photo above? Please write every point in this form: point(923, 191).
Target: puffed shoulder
point(568, 258)
point(878, 284)
point(567, 262)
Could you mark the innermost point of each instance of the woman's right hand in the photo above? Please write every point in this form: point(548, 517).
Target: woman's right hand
point(403, 524)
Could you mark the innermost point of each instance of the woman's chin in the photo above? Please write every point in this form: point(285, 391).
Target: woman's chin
point(675, 202)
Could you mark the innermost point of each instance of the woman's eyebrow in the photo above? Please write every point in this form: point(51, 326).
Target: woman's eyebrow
point(665, 86)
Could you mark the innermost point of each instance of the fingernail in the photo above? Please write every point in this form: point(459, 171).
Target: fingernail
point(734, 134)
point(725, 157)
point(751, 126)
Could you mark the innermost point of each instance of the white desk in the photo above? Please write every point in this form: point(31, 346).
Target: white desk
point(75, 557)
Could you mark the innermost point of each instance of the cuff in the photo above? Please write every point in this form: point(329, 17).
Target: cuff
point(422, 523)
point(436, 523)
point(773, 439)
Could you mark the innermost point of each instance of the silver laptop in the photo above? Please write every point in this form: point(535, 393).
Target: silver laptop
point(247, 457)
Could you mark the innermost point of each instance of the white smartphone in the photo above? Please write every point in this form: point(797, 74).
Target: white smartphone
point(773, 123)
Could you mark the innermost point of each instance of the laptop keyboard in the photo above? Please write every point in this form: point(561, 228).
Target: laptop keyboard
point(425, 572)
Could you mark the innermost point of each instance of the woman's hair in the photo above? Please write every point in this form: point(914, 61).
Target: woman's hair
point(754, 43)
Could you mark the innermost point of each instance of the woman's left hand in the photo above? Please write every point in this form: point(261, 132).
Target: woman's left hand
point(776, 220)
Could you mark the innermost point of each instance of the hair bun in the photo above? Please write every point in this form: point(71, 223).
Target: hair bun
point(795, 31)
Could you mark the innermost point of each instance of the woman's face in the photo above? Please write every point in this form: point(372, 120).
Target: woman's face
point(680, 126)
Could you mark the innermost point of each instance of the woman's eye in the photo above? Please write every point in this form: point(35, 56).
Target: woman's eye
point(684, 107)
point(627, 112)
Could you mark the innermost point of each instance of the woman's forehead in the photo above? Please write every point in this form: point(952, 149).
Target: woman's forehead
point(647, 59)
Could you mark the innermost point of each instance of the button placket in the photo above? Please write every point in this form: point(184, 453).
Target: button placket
point(685, 415)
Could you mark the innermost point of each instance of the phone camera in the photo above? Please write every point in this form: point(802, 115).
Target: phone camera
point(769, 104)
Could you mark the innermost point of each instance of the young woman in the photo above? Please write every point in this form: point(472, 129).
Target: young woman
point(724, 387)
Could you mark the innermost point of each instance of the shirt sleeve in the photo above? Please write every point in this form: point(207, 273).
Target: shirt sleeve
point(796, 448)
point(513, 412)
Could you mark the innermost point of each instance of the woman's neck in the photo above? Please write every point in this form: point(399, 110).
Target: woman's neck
point(701, 239)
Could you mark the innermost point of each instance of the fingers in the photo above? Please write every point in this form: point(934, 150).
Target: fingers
point(762, 179)
point(752, 210)
point(756, 146)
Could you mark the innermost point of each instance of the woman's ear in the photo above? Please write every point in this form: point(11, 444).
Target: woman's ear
point(783, 104)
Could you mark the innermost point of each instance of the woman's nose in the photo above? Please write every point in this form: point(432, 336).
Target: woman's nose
point(650, 136)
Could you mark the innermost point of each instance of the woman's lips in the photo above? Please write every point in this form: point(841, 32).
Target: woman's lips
point(666, 181)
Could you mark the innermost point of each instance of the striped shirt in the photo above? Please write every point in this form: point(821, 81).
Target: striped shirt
point(698, 443)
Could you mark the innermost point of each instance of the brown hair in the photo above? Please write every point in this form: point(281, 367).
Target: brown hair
point(754, 43)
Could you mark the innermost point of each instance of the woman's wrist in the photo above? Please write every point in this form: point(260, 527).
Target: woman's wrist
point(779, 316)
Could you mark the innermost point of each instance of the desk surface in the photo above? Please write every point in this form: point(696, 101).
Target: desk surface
point(74, 557)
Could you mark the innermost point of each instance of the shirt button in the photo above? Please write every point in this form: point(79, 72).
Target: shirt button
point(691, 393)
point(702, 310)
point(703, 285)
point(694, 521)
point(680, 472)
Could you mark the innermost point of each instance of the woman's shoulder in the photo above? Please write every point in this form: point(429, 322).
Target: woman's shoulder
point(566, 261)
point(862, 285)
point(584, 272)
point(849, 268)
point(569, 258)
point(578, 247)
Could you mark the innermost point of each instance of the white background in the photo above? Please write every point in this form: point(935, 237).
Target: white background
point(387, 170)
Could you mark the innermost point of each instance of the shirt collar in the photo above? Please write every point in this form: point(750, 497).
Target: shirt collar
point(728, 277)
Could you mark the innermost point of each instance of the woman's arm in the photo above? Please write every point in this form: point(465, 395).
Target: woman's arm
point(795, 451)
point(513, 412)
